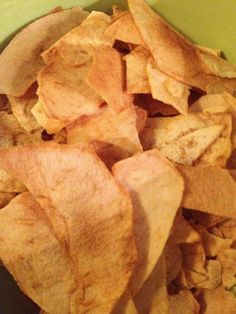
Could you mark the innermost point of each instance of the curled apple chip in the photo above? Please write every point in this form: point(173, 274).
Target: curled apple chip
point(183, 302)
point(124, 29)
point(179, 58)
point(190, 139)
point(166, 89)
point(110, 128)
point(63, 90)
point(107, 77)
point(95, 227)
point(41, 266)
point(227, 258)
point(156, 191)
point(81, 39)
point(21, 61)
point(209, 189)
point(214, 276)
point(136, 71)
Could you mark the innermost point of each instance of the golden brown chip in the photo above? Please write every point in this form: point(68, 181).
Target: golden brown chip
point(167, 89)
point(141, 118)
point(64, 93)
point(188, 279)
point(21, 61)
point(214, 51)
point(228, 228)
point(36, 259)
point(51, 125)
point(217, 300)
point(136, 71)
point(81, 39)
point(213, 269)
point(71, 184)
point(107, 77)
point(152, 298)
point(173, 258)
point(183, 303)
point(156, 191)
point(177, 57)
point(209, 189)
point(5, 198)
point(124, 29)
point(108, 132)
point(228, 263)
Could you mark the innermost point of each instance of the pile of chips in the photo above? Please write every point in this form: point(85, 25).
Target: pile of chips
point(117, 180)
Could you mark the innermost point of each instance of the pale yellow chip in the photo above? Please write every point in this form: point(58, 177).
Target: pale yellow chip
point(209, 189)
point(95, 227)
point(179, 58)
point(217, 300)
point(21, 60)
point(107, 78)
point(167, 89)
point(183, 303)
point(227, 258)
point(82, 38)
point(124, 29)
point(136, 71)
point(153, 297)
point(156, 191)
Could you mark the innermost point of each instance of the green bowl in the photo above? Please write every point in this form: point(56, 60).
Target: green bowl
point(206, 22)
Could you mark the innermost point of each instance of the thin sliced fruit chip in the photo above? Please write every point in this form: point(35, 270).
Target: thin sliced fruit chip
point(177, 57)
point(21, 61)
point(212, 244)
point(125, 305)
point(189, 139)
point(136, 71)
point(107, 78)
point(5, 198)
point(8, 184)
point(219, 103)
point(188, 279)
point(156, 191)
point(21, 109)
point(167, 89)
point(116, 130)
point(214, 51)
point(228, 262)
point(124, 29)
point(71, 184)
point(228, 228)
point(51, 125)
point(63, 90)
point(209, 189)
point(217, 300)
point(152, 298)
point(82, 38)
point(213, 269)
point(38, 265)
point(183, 303)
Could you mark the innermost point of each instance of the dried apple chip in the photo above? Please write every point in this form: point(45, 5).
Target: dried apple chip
point(167, 89)
point(209, 189)
point(213, 269)
point(136, 71)
point(21, 60)
point(228, 263)
point(110, 128)
point(125, 305)
point(183, 303)
point(174, 258)
point(5, 198)
point(96, 228)
point(41, 266)
point(216, 300)
point(177, 57)
point(107, 77)
point(124, 29)
point(81, 39)
point(156, 191)
point(152, 298)
point(63, 90)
